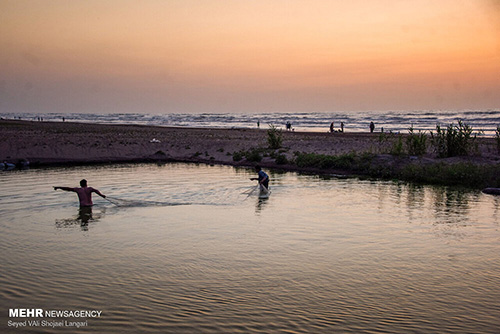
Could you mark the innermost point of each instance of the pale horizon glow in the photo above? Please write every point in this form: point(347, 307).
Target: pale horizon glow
point(183, 56)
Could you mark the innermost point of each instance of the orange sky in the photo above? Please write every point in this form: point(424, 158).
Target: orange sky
point(159, 56)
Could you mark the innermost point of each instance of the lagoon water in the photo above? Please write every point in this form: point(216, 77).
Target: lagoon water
point(184, 249)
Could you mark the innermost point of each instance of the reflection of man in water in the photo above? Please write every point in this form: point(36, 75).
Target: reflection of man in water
point(84, 193)
point(84, 215)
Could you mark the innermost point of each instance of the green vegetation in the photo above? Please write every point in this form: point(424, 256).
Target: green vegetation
point(274, 137)
point(253, 155)
point(322, 161)
point(455, 140)
point(416, 143)
point(462, 174)
point(238, 156)
point(281, 159)
point(382, 137)
point(257, 154)
point(397, 147)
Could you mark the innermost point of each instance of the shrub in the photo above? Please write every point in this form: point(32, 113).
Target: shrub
point(416, 143)
point(397, 147)
point(382, 138)
point(274, 137)
point(237, 156)
point(281, 159)
point(455, 140)
point(322, 161)
point(253, 155)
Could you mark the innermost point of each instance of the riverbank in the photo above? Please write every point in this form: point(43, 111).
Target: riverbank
point(66, 143)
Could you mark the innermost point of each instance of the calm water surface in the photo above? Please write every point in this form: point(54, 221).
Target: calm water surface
point(185, 250)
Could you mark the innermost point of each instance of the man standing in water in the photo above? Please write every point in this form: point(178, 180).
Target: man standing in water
point(84, 193)
point(263, 177)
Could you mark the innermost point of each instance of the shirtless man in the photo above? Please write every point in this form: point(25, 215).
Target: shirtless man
point(84, 193)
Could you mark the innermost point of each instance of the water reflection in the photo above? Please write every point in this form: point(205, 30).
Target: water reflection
point(416, 196)
point(82, 218)
point(451, 207)
point(450, 212)
point(497, 205)
point(261, 204)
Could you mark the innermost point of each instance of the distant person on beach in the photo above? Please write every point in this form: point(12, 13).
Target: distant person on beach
point(288, 126)
point(84, 193)
point(258, 123)
point(263, 178)
point(372, 127)
point(341, 126)
point(331, 127)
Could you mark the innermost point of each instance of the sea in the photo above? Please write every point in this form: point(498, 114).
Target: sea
point(483, 122)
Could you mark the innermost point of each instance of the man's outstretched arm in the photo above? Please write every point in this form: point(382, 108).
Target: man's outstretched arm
point(65, 188)
point(99, 193)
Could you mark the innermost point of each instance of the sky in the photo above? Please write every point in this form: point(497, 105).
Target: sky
point(211, 56)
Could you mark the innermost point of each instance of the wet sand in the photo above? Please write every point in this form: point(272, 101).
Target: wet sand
point(55, 143)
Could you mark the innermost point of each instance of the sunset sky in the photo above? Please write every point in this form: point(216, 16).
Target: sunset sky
point(162, 56)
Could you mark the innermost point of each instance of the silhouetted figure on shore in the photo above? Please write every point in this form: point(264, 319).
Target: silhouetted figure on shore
point(372, 127)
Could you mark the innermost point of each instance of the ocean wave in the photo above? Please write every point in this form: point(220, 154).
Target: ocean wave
point(481, 120)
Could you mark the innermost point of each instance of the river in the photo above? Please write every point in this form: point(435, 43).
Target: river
point(186, 248)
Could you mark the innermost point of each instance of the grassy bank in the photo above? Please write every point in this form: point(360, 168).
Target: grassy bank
point(384, 166)
point(404, 160)
point(406, 168)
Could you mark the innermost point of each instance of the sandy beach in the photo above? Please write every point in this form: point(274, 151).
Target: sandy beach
point(55, 143)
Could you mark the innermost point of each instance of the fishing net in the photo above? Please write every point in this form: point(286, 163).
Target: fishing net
point(139, 203)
